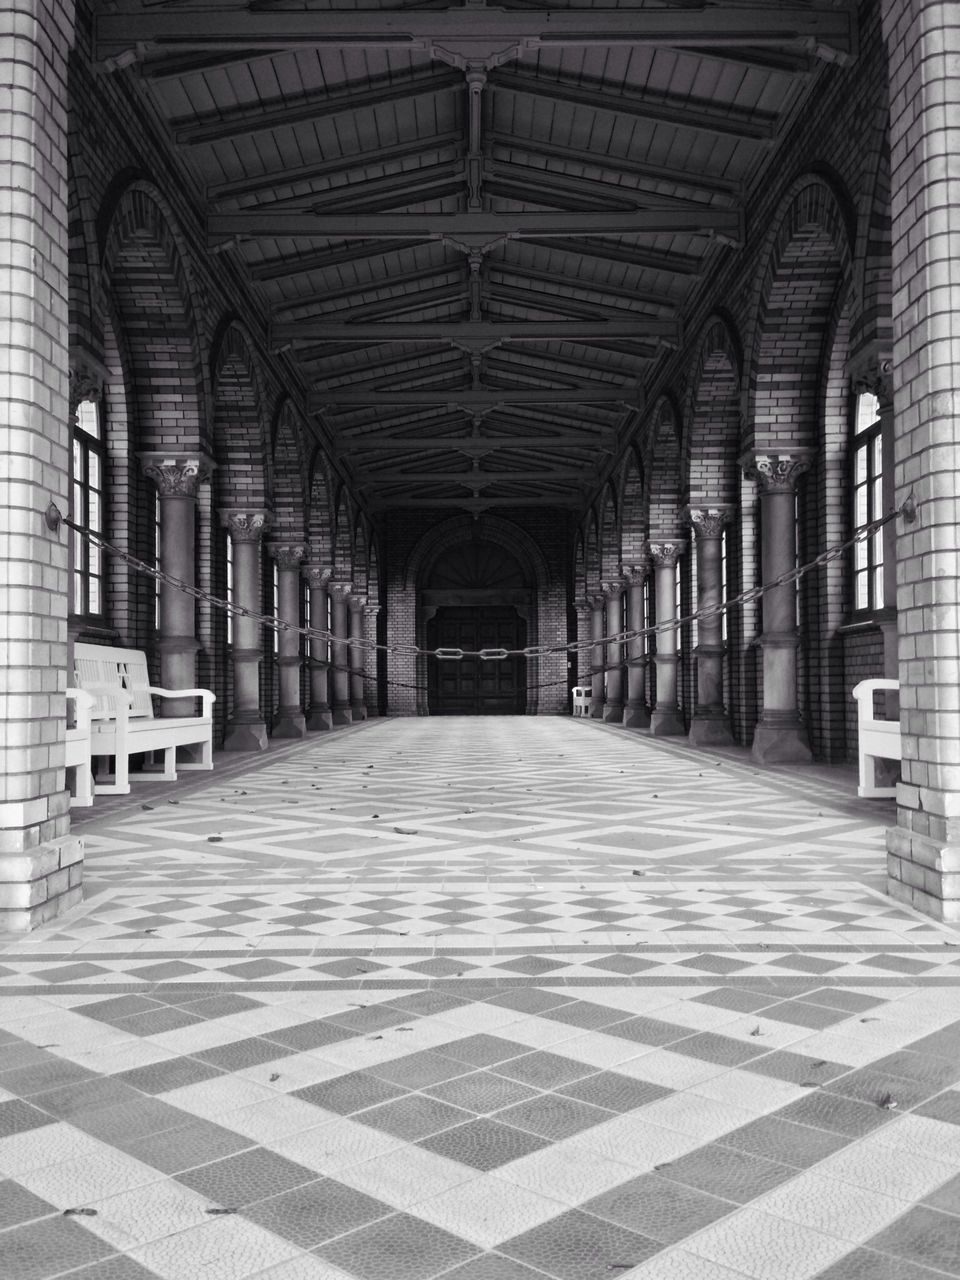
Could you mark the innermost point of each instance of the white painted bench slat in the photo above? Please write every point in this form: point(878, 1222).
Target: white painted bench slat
point(122, 718)
point(877, 739)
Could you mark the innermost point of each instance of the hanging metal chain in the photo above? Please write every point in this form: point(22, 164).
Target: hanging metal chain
point(907, 510)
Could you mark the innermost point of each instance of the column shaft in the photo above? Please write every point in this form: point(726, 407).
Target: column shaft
point(246, 728)
point(290, 721)
point(597, 655)
point(710, 725)
point(779, 737)
point(635, 714)
point(371, 688)
point(613, 705)
point(339, 658)
point(320, 718)
point(665, 720)
point(358, 705)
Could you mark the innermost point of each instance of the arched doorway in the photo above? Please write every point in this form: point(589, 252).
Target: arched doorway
point(476, 596)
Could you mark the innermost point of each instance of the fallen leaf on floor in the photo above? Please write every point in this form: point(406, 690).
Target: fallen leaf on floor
point(218, 1212)
point(214, 839)
point(274, 1075)
point(888, 1102)
point(82, 1213)
point(405, 831)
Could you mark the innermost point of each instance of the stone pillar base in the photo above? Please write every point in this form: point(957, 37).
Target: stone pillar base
point(636, 717)
point(290, 724)
point(667, 724)
point(246, 737)
point(710, 731)
point(38, 885)
point(358, 713)
point(612, 713)
point(595, 710)
point(320, 720)
point(342, 715)
point(924, 873)
point(781, 744)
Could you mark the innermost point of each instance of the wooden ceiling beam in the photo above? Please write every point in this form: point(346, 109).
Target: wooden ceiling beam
point(473, 332)
point(476, 397)
point(301, 263)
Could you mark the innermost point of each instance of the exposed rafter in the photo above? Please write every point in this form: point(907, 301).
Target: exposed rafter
point(473, 479)
point(554, 279)
point(479, 445)
point(262, 119)
point(465, 34)
point(676, 264)
point(663, 109)
point(302, 263)
point(473, 397)
point(477, 331)
point(358, 162)
point(286, 223)
point(694, 179)
point(403, 280)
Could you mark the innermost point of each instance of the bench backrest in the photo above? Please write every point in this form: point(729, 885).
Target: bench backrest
point(105, 672)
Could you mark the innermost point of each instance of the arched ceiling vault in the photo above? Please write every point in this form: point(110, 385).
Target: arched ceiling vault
point(476, 229)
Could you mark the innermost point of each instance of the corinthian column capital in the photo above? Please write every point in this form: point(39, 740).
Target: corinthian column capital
point(708, 521)
point(176, 474)
point(666, 553)
point(244, 525)
point(777, 472)
point(288, 555)
point(613, 588)
point(636, 574)
point(317, 576)
point(340, 590)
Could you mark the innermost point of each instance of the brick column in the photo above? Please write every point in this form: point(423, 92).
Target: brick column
point(666, 719)
point(597, 655)
point(584, 616)
point(339, 595)
point(613, 705)
point(779, 737)
point(636, 715)
point(923, 42)
point(178, 477)
point(371, 692)
point(41, 864)
point(358, 704)
point(290, 721)
point(710, 725)
point(246, 728)
point(320, 718)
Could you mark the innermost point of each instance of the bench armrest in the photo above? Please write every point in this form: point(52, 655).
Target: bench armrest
point(866, 688)
point(208, 696)
point(83, 706)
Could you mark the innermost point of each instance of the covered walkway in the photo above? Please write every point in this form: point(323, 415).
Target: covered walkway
point(486, 999)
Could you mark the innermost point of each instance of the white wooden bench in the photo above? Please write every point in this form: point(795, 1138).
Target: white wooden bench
point(581, 700)
point(77, 747)
point(877, 739)
point(123, 724)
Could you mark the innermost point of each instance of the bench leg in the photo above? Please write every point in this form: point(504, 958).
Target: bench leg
point(82, 785)
point(869, 788)
point(120, 786)
point(206, 757)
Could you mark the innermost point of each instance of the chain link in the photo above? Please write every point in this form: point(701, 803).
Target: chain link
point(457, 655)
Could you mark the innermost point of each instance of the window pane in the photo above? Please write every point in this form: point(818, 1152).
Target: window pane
point(93, 517)
point(93, 559)
point(878, 598)
point(77, 460)
point(861, 516)
point(93, 468)
point(860, 467)
point(877, 548)
point(94, 604)
point(863, 594)
point(868, 411)
point(877, 455)
point(88, 418)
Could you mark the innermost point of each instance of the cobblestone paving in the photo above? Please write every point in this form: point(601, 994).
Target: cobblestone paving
point(484, 1000)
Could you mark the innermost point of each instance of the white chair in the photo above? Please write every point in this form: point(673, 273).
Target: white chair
point(877, 739)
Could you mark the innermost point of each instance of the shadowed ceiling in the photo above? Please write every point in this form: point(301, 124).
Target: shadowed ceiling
point(477, 230)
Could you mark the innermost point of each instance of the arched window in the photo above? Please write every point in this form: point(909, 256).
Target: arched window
point(87, 478)
point(867, 502)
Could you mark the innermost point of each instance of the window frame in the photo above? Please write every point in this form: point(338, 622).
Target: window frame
point(865, 479)
point(87, 561)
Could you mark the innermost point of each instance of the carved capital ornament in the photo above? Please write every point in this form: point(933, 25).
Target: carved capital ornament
point(777, 472)
point(176, 475)
point(666, 554)
point(288, 555)
point(246, 526)
point(709, 521)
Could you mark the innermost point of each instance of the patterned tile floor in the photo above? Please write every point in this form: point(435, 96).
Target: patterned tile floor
point(483, 1000)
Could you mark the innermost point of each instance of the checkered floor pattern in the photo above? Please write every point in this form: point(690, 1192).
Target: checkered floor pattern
point(498, 1000)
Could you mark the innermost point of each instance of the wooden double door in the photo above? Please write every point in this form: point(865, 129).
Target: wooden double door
point(475, 686)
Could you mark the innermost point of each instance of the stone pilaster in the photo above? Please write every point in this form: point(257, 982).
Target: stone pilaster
point(41, 863)
point(779, 737)
point(320, 717)
point(371, 613)
point(613, 593)
point(178, 477)
point(358, 703)
point(290, 722)
point(584, 615)
point(597, 657)
point(636, 715)
point(665, 720)
point(246, 728)
point(710, 725)
point(923, 46)
point(339, 593)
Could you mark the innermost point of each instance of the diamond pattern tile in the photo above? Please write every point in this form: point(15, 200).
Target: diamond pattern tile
point(479, 1047)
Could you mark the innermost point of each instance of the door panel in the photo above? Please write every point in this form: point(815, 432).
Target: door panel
point(472, 686)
